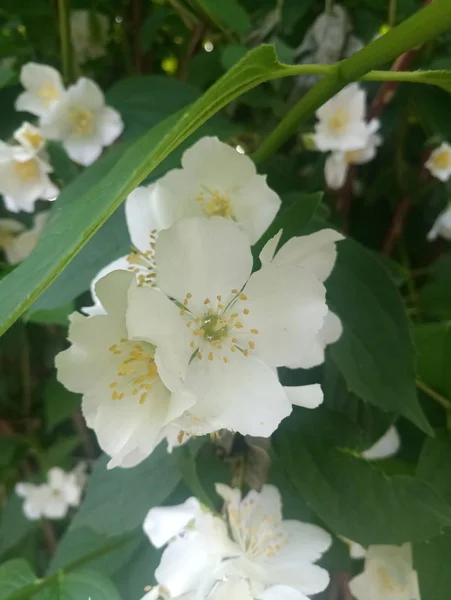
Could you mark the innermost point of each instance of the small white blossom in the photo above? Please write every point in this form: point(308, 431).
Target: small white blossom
point(388, 445)
point(337, 163)
point(442, 226)
point(222, 331)
point(52, 499)
point(341, 121)
point(124, 399)
point(29, 137)
point(388, 573)
point(43, 89)
point(24, 178)
point(82, 122)
point(316, 253)
point(439, 163)
point(16, 241)
point(89, 34)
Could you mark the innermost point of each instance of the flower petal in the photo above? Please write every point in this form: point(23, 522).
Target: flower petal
point(163, 523)
point(336, 170)
point(307, 396)
point(110, 125)
point(282, 592)
point(388, 445)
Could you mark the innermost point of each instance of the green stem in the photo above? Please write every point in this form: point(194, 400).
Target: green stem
point(40, 584)
point(427, 23)
point(65, 41)
point(329, 6)
point(392, 9)
point(434, 395)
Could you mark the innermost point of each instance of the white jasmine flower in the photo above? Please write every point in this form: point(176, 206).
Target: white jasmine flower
point(337, 163)
point(273, 551)
point(89, 34)
point(388, 445)
point(29, 137)
point(388, 573)
point(43, 89)
point(341, 121)
point(24, 178)
point(124, 399)
point(52, 499)
point(215, 180)
point(442, 226)
point(16, 241)
point(82, 122)
point(222, 330)
point(439, 162)
point(316, 253)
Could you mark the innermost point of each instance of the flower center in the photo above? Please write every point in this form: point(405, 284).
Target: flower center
point(215, 328)
point(48, 93)
point(215, 204)
point(442, 160)
point(82, 121)
point(338, 122)
point(34, 138)
point(137, 369)
point(388, 582)
point(143, 263)
point(26, 170)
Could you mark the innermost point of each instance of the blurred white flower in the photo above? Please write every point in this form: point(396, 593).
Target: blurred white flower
point(250, 553)
point(388, 573)
point(16, 241)
point(341, 121)
point(215, 180)
point(317, 254)
point(439, 162)
point(356, 551)
point(337, 163)
point(43, 88)
point(52, 499)
point(124, 399)
point(89, 34)
point(222, 330)
point(24, 178)
point(29, 137)
point(442, 226)
point(82, 122)
point(388, 445)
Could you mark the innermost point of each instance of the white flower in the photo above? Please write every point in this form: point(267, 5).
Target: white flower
point(341, 121)
point(24, 178)
point(89, 34)
point(82, 122)
point(388, 445)
point(124, 399)
point(52, 499)
point(273, 552)
point(442, 226)
point(16, 241)
point(29, 137)
point(223, 331)
point(439, 163)
point(215, 180)
point(388, 573)
point(43, 88)
point(316, 253)
point(337, 163)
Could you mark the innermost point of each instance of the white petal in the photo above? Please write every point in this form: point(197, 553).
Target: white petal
point(388, 445)
point(234, 589)
point(266, 256)
point(140, 217)
point(316, 252)
point(303, 576)
point(305, 542)
point(56, 478)
point(331, 330)
point(282, 592)
point(120, 264)
point(163, 523)
point(336, 170)
point(242, 395)
point(307, 396)
point(85, 93)
point(110, 125)
point(111, 290)
point(83, 151)
point(203, 257)
point(287, 307)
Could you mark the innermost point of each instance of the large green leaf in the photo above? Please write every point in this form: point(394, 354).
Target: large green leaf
point(433, 343)
point(60, 403)
point(117, 500)
point(14, 526)
point(14, 575)
point(375, 353)
point(83, 584)
point(228, 14)
point(352, 496)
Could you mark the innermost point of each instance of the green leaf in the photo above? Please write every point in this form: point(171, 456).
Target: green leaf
point(186, 460)
point(433, 343)
point(60, 404)
point(374, 353)
point(81, 210)
point(152, 25)
point(59, 453)
point(352, 496)
point(14, 526)
point(118, 500)
point(54, 316)
point(228, 13)
point(83, 584)
point(14, 575)
point(231, 54)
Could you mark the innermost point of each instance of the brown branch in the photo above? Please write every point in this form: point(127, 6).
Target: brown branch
point(196, 39)
point(50, 537)
point(396, 226)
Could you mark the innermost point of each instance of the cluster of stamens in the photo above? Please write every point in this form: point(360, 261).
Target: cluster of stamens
point(215, 329)
point(339, 120)
point(143, 263)
point(48, 93)
point(214, 203)
point(27, 169)
point(82, 121)
point(138, 366)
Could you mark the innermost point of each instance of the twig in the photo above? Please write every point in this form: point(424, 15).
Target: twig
point(50, 537)
point(83, 434)
point(65, 40)
point(396, 226)
point(344, 197)
point(196, 39)
point(444, 402)
point(345, 591)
